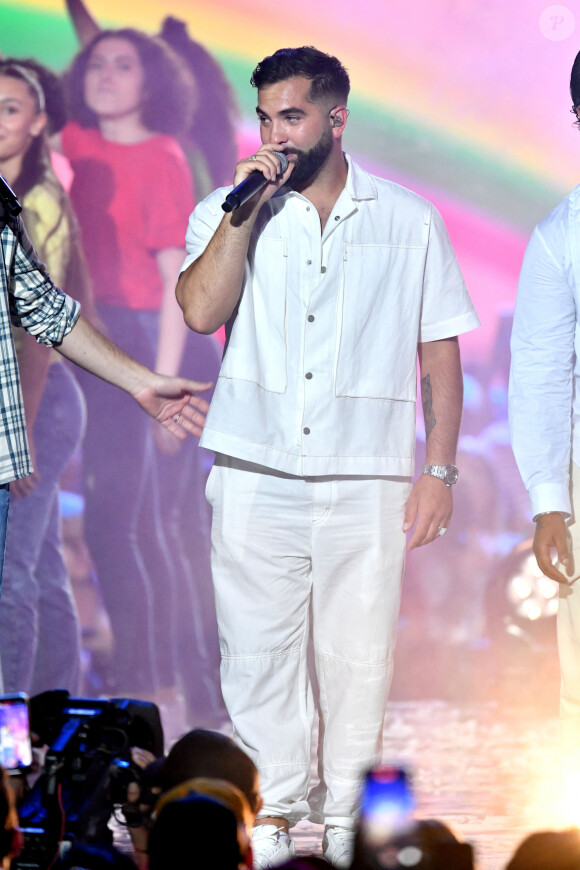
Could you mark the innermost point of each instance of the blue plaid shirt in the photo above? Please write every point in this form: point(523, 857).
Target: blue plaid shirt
point(28, 298)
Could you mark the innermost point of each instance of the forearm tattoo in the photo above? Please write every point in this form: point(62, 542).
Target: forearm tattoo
point(427, 401)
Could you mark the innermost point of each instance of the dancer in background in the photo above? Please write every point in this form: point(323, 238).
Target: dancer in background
point(210, 146)
point(39, 628)
point(129, 94)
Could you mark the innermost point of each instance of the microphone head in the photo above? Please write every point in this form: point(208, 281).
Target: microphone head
point(283, 160)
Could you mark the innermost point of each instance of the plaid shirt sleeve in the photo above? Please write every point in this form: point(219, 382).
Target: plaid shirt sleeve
point(28, 298)
point(35, 302)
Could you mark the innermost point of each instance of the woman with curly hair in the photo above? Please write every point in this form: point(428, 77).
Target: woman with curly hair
point(132, 192)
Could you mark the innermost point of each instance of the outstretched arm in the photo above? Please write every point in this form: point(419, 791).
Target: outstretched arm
point(171, 401)
point(430, 503)
point(86, 28)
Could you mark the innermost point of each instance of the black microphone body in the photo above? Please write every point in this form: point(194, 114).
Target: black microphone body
point(251, 185)
point(8, 198)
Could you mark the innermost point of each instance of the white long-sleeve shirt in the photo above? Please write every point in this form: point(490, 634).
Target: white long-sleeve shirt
point(544, 403)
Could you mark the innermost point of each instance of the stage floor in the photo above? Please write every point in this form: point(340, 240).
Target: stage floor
point(491, 774)
point(479, 734)
point(490, 771)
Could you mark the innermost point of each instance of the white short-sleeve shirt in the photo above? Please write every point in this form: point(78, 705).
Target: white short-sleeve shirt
point(319, 376)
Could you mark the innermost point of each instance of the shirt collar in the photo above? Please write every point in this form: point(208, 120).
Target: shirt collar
point(359, 183)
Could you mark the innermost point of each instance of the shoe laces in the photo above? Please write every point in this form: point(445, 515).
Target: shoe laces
point(341, 840)
point(268, 838)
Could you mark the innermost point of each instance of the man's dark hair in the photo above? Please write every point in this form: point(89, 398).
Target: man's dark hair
point(328, 78)
point(211, 755)
point(575, 87)
point(168, 91)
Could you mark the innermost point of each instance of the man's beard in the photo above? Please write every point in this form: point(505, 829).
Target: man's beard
point(309, 162)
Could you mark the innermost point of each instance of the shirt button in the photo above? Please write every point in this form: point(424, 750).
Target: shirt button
point(307, 208)
point(308, 375)
point(323, 269)
point(306, 430)
point(311, 318)
point(337, 217)
point(309, 262)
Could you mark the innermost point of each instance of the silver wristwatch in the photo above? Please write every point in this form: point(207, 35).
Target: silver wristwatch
point(447, 473)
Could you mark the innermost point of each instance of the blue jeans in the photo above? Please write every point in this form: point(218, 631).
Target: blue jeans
point(4, 503)
point(186, 523)
point(39, 627)
point(134, 570)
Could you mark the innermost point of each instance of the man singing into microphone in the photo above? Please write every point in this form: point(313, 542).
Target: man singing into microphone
point(330, 281)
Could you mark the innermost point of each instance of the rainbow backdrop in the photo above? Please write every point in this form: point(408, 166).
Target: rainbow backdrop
point(463, 101)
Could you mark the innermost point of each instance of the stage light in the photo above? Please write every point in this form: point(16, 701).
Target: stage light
point(533, 595)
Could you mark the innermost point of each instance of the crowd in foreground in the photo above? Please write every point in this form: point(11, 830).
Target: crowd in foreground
point(201, 802)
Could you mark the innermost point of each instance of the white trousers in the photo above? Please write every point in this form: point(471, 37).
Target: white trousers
point(569, 636)
point(291, 556)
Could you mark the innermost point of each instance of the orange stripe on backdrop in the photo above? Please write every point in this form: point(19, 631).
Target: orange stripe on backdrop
point(485, 74)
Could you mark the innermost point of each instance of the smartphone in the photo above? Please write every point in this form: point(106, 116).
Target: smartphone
point(387, 805)
point(15, 746)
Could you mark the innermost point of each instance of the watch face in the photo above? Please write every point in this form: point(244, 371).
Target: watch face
point(451, 475)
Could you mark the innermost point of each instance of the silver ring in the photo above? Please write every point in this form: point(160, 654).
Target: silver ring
point(177, 418)
point(253, 157)
point(441, 531)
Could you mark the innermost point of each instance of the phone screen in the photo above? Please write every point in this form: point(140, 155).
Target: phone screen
point(15, 747)
point(387, 804)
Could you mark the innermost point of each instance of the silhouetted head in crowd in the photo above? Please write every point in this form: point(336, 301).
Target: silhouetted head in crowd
point(219, 789)
point(194, 831)
point(209, 754)
point(548, 850)
point(149, 80)
point(427, 844)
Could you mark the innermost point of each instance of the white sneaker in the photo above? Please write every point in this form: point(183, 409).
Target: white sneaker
point(338, 846)
point(271, 846)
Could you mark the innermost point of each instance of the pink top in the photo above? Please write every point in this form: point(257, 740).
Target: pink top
point(131, 201)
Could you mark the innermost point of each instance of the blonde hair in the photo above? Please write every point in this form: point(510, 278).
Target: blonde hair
point(225, 792)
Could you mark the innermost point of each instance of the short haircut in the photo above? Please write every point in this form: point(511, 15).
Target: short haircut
point(209, 754)
point(183, 829)
point(168, 90)
point(329, 80)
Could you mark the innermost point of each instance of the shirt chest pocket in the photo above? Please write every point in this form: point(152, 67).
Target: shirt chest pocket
point(257, 350)
point(379, 311)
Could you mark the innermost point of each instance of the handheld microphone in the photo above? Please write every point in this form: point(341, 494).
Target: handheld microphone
point(251, 185)
point(8, 198)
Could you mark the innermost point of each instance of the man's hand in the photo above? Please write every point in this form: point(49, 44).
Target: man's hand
point(551, 531)
point(173, 403)
point(429, 506)
point(25, 485)
point(264, 161)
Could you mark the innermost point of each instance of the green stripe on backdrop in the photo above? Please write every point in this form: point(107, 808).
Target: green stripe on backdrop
point(427, 155)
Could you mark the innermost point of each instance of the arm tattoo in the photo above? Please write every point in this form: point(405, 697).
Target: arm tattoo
point(427, 401)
